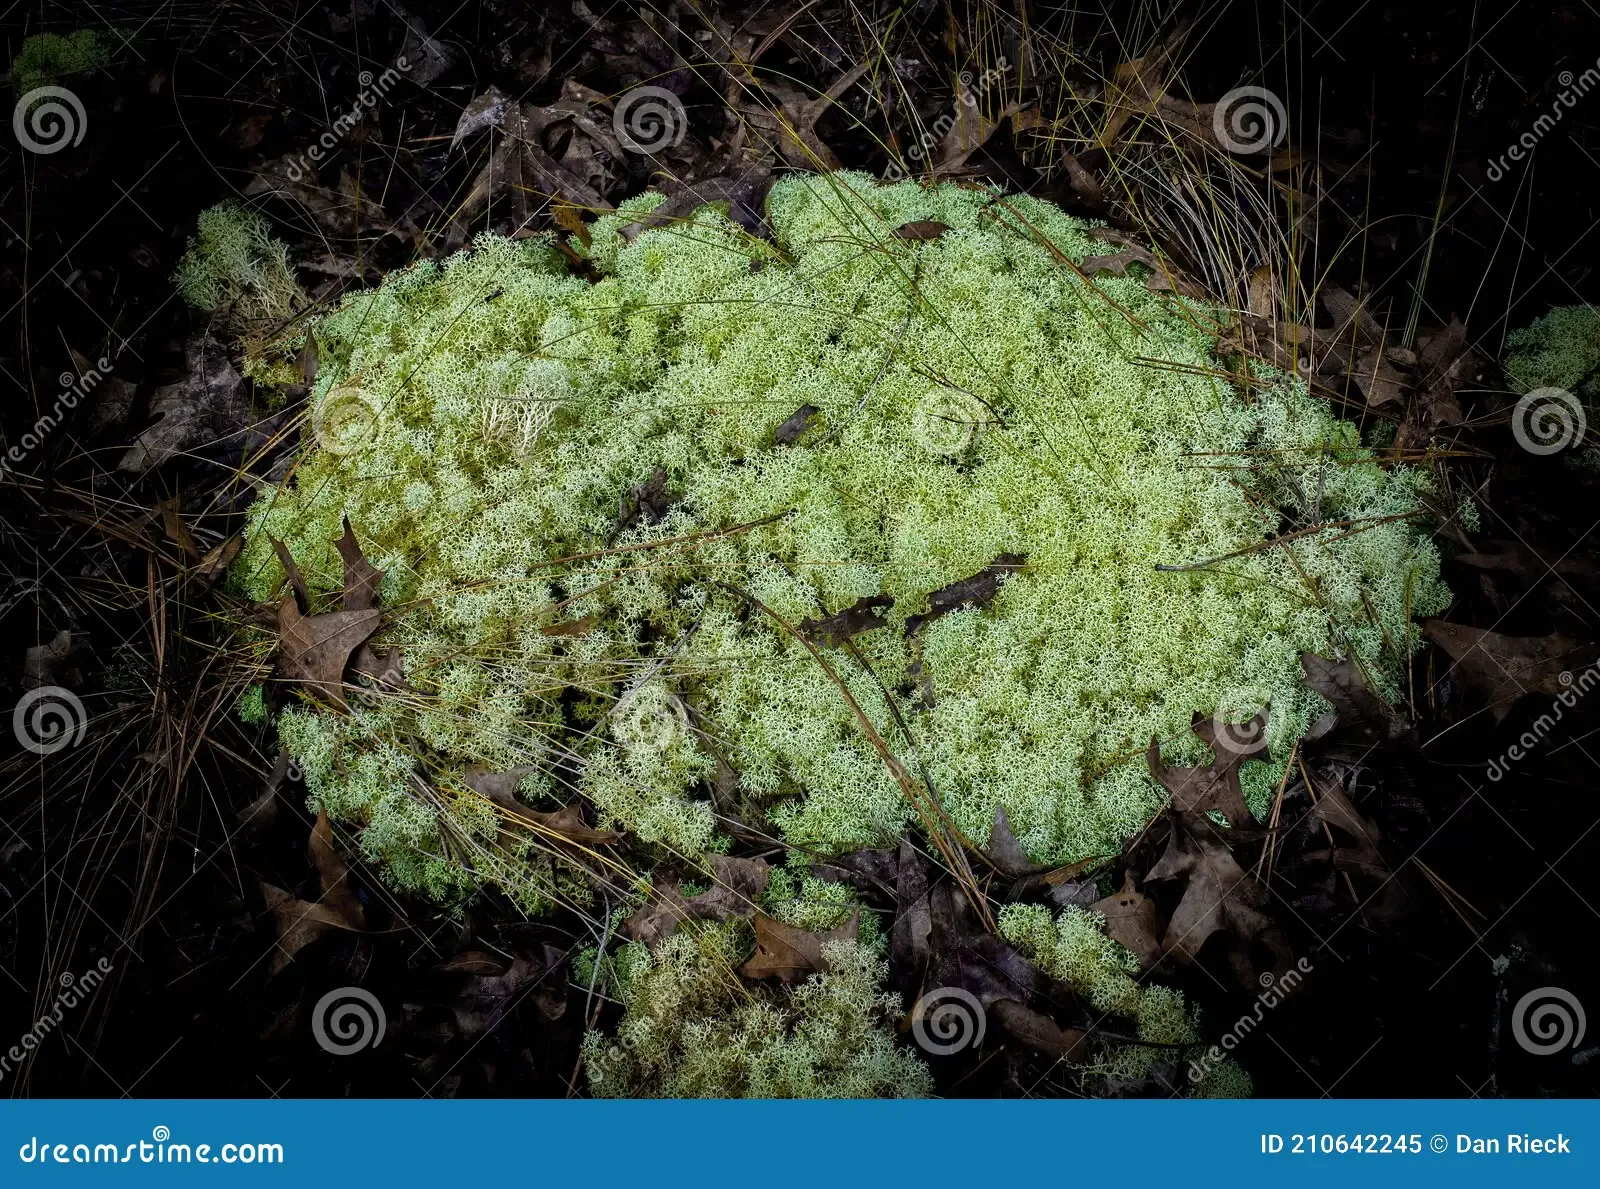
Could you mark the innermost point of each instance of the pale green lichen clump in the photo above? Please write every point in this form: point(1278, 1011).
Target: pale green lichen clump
point(1073, 947)
point(234, 265)
point(976, 397)
point(1560, 350)
point(693, 1029)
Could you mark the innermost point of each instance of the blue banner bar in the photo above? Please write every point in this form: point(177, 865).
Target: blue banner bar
point(356, 1143)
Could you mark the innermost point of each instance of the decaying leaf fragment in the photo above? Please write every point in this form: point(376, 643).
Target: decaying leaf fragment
point(738, 883)
point(790, 954)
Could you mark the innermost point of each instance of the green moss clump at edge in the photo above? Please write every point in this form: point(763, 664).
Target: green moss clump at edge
point(46, 58)
point(976, 397)
point(1560, 350)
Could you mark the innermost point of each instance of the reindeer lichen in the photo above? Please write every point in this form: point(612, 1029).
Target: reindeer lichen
point(693, 1029)
point(597, 554)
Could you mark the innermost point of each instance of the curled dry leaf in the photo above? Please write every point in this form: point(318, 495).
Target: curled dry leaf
point(789, 954)
point(1504, 668)
point(1006, 853)
point(562, 825)
point(1363, 716)
point(1216, 786)
point(922, 229)
point(738, 882)
point(1131, 921)
point(207, 404)
point(1039, 1032)
point(1218, 894)
point(795, 425)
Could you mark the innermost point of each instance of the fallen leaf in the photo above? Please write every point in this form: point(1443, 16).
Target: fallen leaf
point(1218, 894)
point(864, 615)
point(1131, 921)
point(1135, 85)
point(1379, 380)
point(361, 578)
point(745, 193)
point(422, 57)
point(1006, 853)
point(789, 954)
point(486, 999)
point(738, 882)
point(795, 425)
point(922, 230)
point(334, 875)
point(1039, 1032)
point(867, 871)
point(561, 825)
point(314, 650)
point(1361, 712)
point(1216, 786)
point(1504, 668)
point(47, 664)
point(977, 591)
point(299, 923)
point(219, 557)
point(207, 404)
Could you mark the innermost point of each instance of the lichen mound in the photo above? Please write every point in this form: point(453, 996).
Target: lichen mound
point(599, 549)
point(694, 1030)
